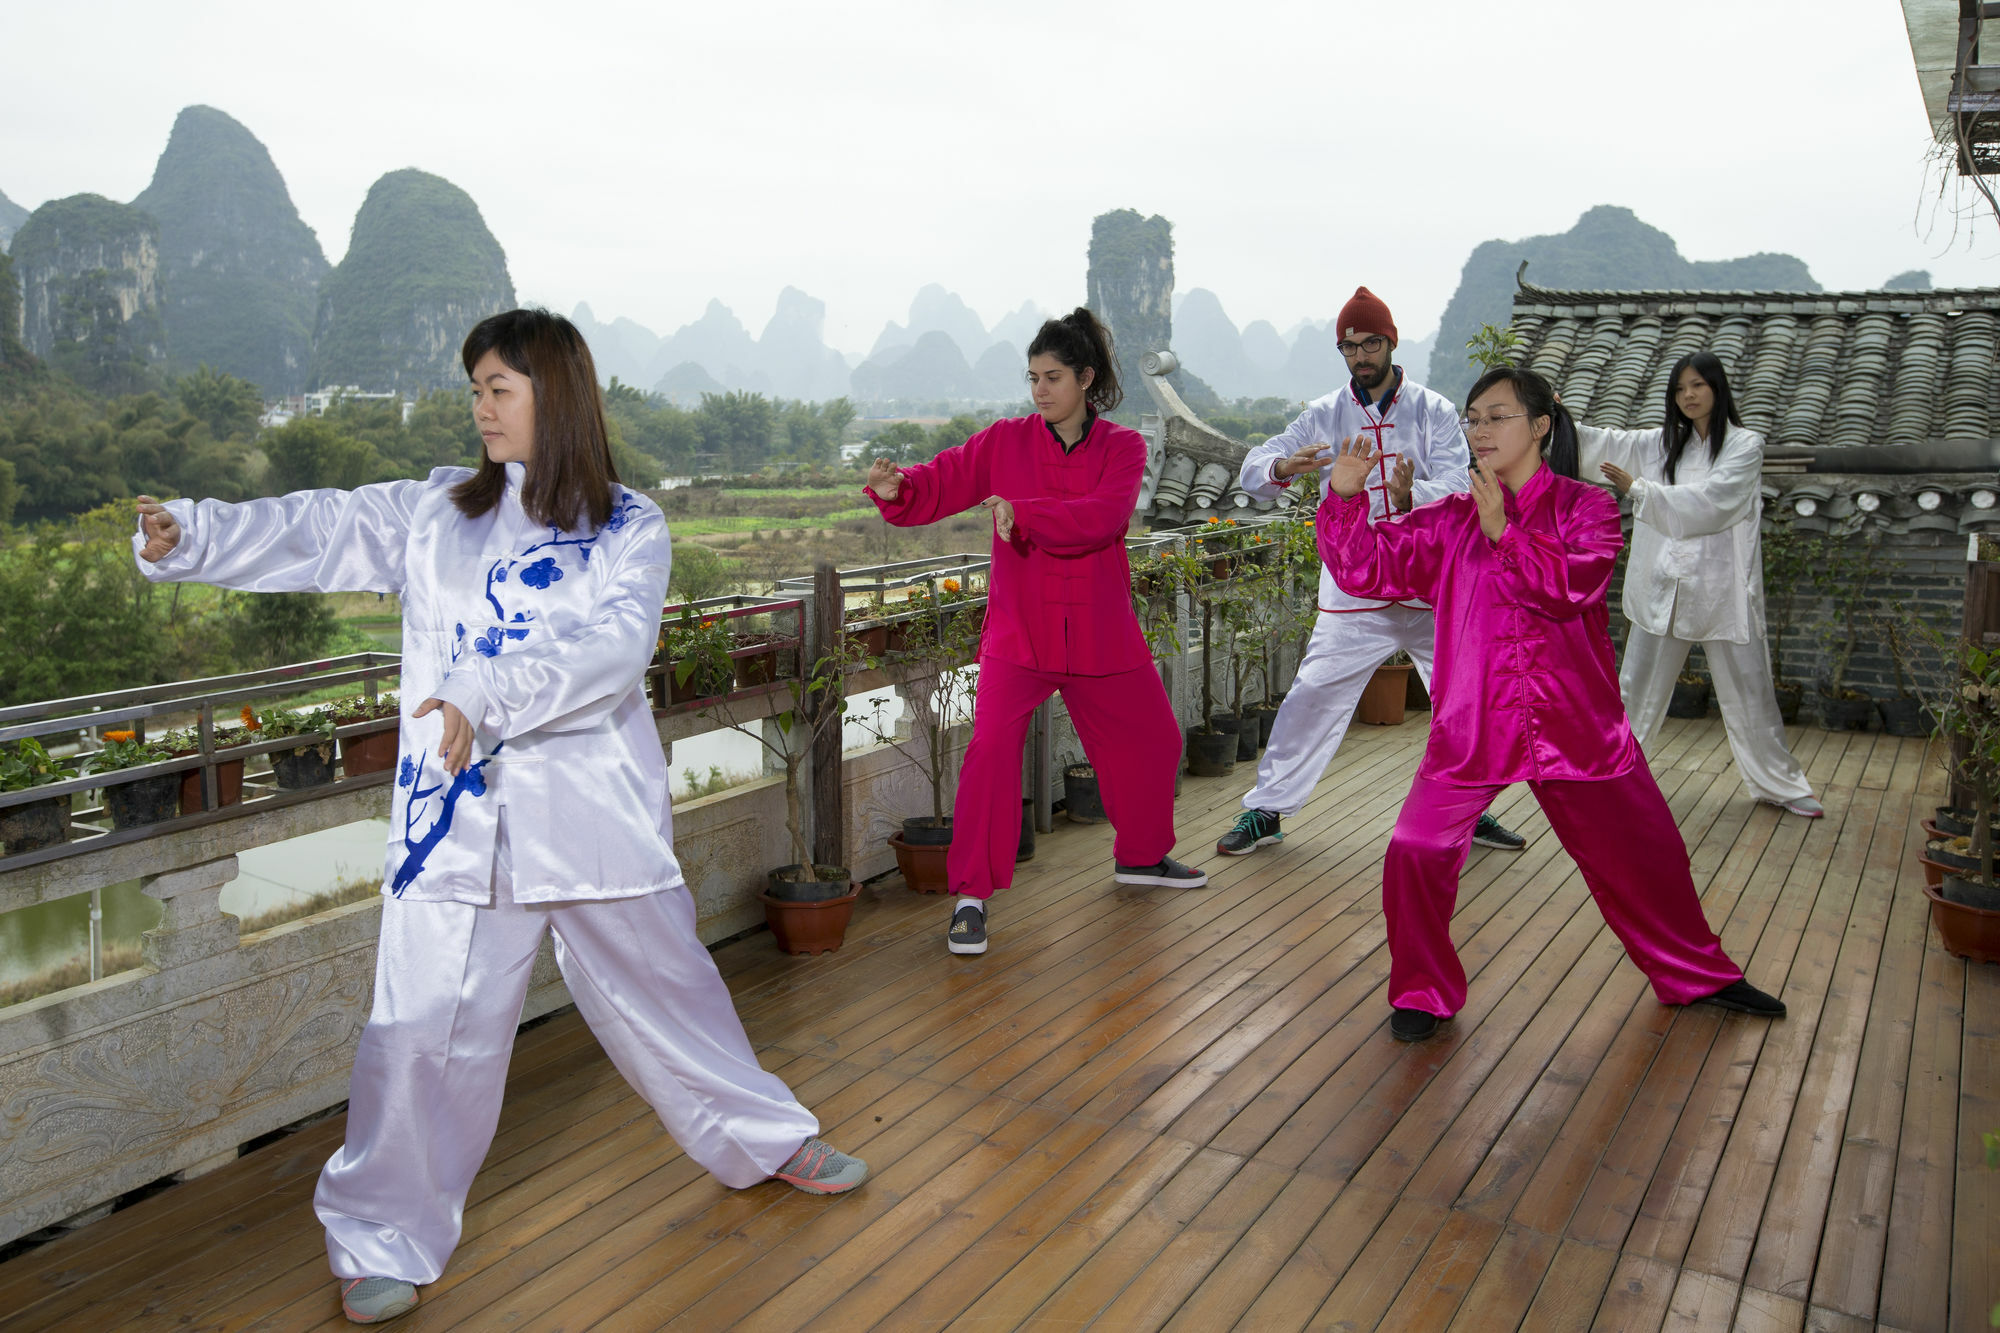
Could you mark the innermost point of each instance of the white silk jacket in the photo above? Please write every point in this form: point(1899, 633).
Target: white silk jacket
point(1417, 423)
point(540, 637)
point(1696, 571)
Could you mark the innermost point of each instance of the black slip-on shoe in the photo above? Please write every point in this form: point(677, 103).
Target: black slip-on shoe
point(1413, 1024)
point(968, 931)
point(1489, 833)
point(1745, 998)
point(1169, 873)
point(1254, 829)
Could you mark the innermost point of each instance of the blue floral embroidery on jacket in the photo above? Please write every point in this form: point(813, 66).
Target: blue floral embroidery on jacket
point(417, 849)
point(542, 573)
point(407, 772)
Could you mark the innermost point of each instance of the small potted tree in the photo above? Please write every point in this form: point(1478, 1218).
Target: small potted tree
point(807, 904)
point(1843, 576)
point(1212, 743)
point(25, 827)
point(1965, 905)
point(1790, 557)
point(142, 800)
point(937, 649)
point(1903, 714)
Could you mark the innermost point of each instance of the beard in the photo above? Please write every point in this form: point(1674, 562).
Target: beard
point(1372, 378)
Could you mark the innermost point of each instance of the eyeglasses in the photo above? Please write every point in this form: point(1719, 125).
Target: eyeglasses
point(1473, 425)
point(1371, 345)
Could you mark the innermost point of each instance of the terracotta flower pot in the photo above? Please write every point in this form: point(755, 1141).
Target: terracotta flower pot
point(874, 639)
point(810, 927)
point(228, 786)
point(1971, 933)
point(1934, 871)
point(372, 753)
point(922, 865)
point(1385, 696)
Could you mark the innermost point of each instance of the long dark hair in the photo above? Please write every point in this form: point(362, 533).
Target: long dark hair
point(1079, 341)
point(1679, 428)
point(1538, 399)
point(570, 474)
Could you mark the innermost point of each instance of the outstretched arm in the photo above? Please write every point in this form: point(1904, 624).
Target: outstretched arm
point(1728, 495)
point(308, 541)
point(921, 493)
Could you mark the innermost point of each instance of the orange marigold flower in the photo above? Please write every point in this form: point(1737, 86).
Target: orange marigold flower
point(249, 716)
point(708, 623)
point(1230, 522)
point(120, 736)
point(1215, 520)
point(951, 585)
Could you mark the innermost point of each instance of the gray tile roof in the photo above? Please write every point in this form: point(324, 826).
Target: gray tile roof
point(1822, 368)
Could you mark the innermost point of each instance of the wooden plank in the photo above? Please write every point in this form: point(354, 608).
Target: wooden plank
point(1504, 1288)
point(1569, 1296)
point(1848, 1271)
point(1761, 1311)
point(1975, 1233)
point(1640, 1292)
point(1701, 1302)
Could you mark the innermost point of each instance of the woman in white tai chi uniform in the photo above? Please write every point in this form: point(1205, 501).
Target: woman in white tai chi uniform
point(1696, 573)
point(531, 795)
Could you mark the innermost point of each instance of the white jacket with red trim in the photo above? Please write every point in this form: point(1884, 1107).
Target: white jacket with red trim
point(1416, 423)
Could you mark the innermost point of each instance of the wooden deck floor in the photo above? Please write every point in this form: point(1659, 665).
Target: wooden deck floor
point(1183, 1110)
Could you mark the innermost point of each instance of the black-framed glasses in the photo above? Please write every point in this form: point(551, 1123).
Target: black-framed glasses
point(1372, 344)
point(1471, 425)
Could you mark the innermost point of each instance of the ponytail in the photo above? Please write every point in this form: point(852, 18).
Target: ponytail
point(1080, 342)
point(1538, 399)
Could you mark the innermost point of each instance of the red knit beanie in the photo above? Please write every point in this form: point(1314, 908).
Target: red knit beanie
point(1364, 313)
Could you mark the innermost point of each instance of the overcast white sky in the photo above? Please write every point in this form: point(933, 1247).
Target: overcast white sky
point(647, 157)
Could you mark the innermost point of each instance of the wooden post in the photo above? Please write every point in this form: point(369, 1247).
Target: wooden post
point(829, 816)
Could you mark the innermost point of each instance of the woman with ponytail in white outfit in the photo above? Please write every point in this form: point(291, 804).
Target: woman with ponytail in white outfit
point(1696, 572)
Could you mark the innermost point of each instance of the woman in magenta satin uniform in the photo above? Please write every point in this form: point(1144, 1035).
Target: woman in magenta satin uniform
point(1525, 690)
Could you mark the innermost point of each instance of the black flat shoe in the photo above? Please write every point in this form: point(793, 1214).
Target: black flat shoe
point(1413, 1025)
point(1745, 998)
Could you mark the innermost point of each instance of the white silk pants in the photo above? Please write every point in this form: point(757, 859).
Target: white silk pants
point(1345, 649)
point(1742, 676)
point(450, 980)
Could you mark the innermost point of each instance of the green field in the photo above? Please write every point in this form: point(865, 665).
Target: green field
point(711, 524)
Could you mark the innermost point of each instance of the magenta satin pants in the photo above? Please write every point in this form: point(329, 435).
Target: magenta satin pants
point(1621, 836)
point(1129, 734)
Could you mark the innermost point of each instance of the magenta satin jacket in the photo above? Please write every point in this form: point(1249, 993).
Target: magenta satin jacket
point(1060, 599)
point(1524, 687)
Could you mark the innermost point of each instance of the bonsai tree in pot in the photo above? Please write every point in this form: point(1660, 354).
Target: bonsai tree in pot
point(24, 827)
point(1968, 713)
point(940, 647)
point(1904, 714)
point(1211, 743)
point(1790, 557)
point(1843, 575)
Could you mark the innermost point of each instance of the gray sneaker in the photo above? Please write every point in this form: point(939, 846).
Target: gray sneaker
point(1168, 873)
point(820, 1168)
point(370, 1300)
point(968, 931)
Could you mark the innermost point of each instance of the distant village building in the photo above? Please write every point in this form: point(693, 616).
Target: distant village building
point(317, 402)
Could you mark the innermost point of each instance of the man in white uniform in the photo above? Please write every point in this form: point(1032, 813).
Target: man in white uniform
point(1426, 459)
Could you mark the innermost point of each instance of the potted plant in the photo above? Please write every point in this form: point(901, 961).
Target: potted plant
point(25, 765)
point(1082, 801)
point(1965, 905)
point(1244, 616)
point(310, 764)
point(1387, 693)
point(1790, 556)
point(1843, 577)
point(1904, 714)
point(697, 656)
point(1690, 696)
point(186, 742)
point(938, 647)
point(865, 625)
point(1211, 744)
point(373, 750)
point(807, 904)
point(142, 800)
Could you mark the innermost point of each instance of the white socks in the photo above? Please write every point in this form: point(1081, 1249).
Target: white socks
point(980, 903)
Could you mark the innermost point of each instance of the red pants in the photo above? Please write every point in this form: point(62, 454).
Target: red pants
point(1130, 736)
point(1622, 837)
